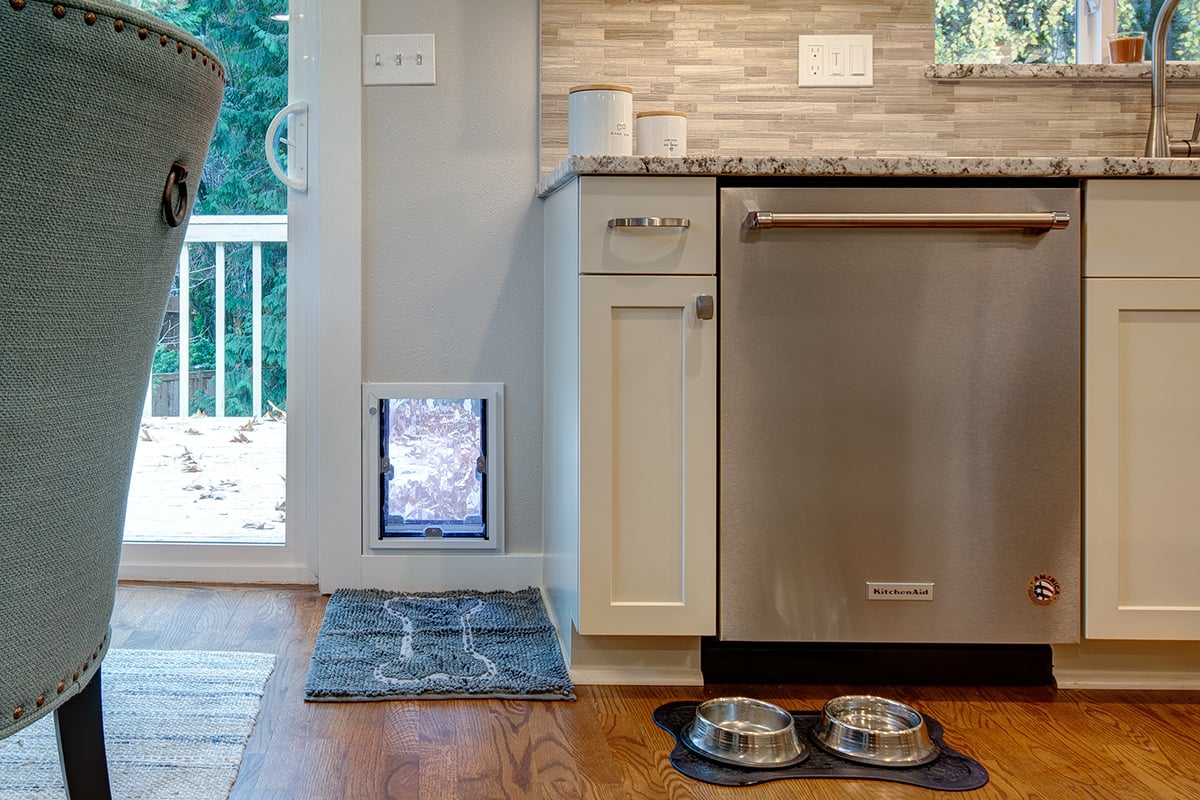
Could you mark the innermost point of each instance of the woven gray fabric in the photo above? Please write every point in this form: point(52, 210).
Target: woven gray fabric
point(176, 724)
point(376, 645)
point(94, 108)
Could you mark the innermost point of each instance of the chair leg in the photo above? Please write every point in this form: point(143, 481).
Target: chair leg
point(80, 726)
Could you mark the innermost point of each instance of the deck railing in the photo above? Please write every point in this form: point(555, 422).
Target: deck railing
point(221, 230)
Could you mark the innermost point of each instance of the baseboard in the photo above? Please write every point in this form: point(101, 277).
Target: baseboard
point(444, 572)
point(280, 574)
point(1125, 679)
point(1134, 664)
point(631, 660)
point(634, 676)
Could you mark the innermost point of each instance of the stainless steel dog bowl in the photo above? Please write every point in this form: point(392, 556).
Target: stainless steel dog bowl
point(745, 732)
point(874, 730)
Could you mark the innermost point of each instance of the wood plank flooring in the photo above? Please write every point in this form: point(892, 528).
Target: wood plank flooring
point(1036, 743)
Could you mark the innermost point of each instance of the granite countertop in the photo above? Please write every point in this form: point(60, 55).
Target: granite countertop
point(896, 166)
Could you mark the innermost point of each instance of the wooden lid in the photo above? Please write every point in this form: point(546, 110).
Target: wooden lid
point(641, 114)
point(599, 87)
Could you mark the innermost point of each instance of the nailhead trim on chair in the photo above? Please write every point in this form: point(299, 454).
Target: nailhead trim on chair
point(19, 711)
point(89, 17)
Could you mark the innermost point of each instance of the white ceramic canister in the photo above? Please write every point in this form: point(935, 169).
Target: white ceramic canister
point(600, 120)
point(662, 133)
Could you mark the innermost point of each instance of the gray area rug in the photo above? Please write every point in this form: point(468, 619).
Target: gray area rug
point(175, 726)
point(377, 645)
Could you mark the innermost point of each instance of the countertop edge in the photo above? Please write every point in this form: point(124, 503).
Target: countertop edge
point(862, 166)
point(1139, 71)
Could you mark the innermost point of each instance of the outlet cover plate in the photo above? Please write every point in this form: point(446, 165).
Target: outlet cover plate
point(836, 60)
point(398, 59)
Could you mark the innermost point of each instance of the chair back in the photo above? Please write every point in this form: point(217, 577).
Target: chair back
point(106, 114)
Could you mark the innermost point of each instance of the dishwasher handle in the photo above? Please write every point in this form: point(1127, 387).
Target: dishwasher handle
point(1035, 220)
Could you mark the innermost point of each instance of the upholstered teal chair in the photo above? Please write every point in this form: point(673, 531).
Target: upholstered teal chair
point(106, 114)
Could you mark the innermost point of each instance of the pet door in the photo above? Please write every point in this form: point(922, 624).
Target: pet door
point(432, 465)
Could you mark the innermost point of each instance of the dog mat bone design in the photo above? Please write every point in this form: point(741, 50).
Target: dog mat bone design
point(951, 771)
point(383, 645)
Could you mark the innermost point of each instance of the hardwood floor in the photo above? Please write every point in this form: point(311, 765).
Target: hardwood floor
point(1036, 743)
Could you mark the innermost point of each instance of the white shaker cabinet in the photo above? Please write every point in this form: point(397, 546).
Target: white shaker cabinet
point(630, 406)
point(1142, 409)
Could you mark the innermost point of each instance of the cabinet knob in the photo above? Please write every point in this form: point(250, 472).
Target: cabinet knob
point(705, 307)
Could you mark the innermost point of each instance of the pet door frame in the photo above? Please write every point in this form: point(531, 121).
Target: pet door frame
point(373, 395)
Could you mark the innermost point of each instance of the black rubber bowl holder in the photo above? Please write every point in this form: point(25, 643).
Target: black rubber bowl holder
point(951, 771)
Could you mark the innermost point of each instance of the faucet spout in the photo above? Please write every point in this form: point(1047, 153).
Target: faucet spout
point(1158, 143)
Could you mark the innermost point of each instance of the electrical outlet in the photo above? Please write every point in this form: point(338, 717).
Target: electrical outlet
point(836, 60)
point(398, 59)
point(815, 62)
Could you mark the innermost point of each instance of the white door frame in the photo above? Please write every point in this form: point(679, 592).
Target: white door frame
point(335, 499)
point(324, 324)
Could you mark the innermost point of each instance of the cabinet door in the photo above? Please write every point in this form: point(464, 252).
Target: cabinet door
point(647, 539)
point(1142, 481)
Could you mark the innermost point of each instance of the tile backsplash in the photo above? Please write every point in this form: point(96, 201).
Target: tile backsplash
point(732, 66)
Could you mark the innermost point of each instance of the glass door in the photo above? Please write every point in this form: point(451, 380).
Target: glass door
point(209, 494)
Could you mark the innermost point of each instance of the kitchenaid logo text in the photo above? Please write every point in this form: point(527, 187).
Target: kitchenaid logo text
point(899, 591)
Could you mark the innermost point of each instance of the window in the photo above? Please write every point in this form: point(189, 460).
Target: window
point(432, 465)
point(1053, 31)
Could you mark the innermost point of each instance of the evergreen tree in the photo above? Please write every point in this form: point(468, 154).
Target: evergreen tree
point(251, 43)
point(1044, 31)
point(1004, 31)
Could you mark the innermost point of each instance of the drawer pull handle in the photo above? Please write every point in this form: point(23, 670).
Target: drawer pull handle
point(705, 307)
point(650, 222)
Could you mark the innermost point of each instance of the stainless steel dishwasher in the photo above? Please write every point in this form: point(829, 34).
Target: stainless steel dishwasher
point(899, 419)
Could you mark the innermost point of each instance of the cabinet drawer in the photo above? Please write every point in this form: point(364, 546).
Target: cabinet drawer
point(647, 250)
point(1142, 228)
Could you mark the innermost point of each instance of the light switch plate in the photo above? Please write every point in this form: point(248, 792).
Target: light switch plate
point(836, 60)
point(398, 59)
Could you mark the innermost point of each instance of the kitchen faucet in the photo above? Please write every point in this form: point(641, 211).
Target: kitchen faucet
point(1158, 143)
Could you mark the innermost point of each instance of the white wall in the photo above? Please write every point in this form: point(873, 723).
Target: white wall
point(452, 230)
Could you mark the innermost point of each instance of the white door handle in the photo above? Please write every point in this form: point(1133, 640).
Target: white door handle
point(297, 144)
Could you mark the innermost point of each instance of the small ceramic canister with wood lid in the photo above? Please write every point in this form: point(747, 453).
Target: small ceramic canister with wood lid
point(600, 120)
point(662, 133)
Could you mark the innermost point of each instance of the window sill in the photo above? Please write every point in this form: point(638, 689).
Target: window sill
point(1176, 71)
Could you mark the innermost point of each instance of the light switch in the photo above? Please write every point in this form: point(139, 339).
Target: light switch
point(398, 59)
point(836, 60)
point(858, 60)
